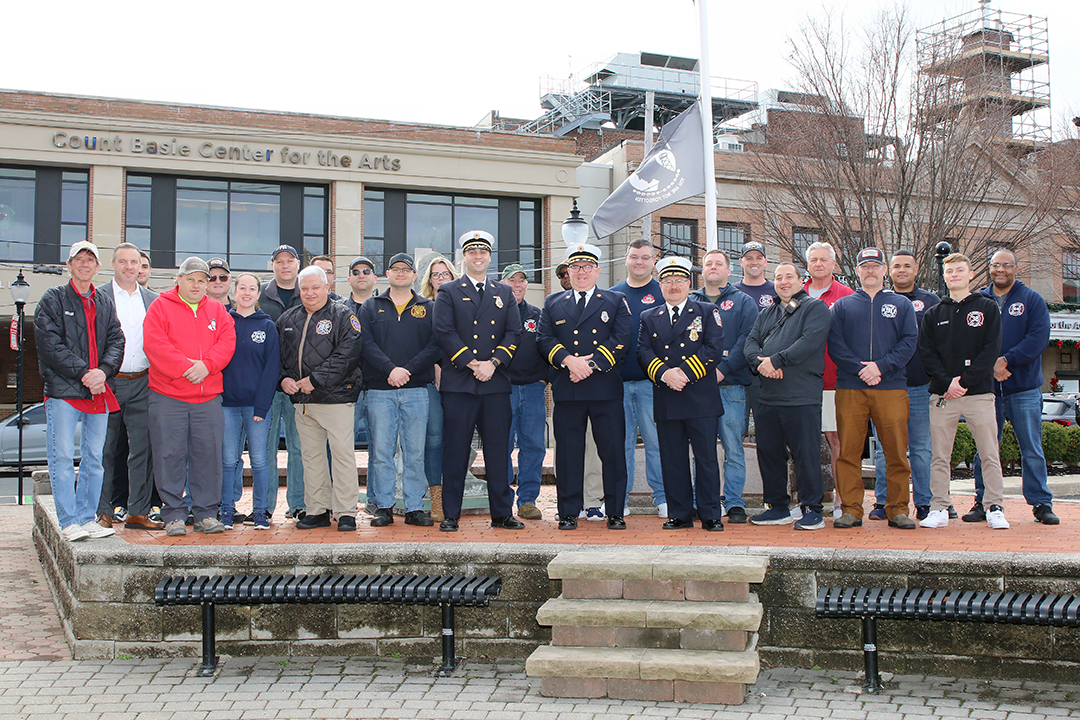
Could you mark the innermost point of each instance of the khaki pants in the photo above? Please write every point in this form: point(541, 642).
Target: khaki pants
point(889, 411)
point(981, 415)
point(594, 481)
point(317, 424)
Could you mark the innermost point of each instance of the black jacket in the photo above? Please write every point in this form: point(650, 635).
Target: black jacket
point(468, 328)
point(331, 352)
point(270, 301)
point(793, 336)
point(63, 344)
point(528, 365)
point(694, 344)
point(961, 339)
point(392, 340)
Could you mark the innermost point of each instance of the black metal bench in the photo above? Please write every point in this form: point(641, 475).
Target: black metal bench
point(925, 604)
point(447, 591)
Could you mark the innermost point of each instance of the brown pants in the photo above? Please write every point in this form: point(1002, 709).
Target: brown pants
point(889, 411)
point(981, 416)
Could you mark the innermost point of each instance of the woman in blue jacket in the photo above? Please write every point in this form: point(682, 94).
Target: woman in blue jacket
point(250, 380)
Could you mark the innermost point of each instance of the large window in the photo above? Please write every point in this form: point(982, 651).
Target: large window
point(1070, 277)
point(242, 221)
point(678, 237)
point(42, 210)
point(418, 223)
point(805, 237)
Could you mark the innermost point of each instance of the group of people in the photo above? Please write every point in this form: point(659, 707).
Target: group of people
point(171, 387)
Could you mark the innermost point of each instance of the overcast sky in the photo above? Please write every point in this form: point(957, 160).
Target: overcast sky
point(422, 61)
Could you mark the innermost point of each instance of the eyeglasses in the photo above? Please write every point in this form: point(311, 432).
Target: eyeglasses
point(219, 278)
point(675, 281)
point(441, 276)
point(583, 267)
point(1002, 266)
point(402, 270)
point(364, 271)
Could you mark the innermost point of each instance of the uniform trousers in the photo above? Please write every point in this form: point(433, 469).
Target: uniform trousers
point(889, 411)
point(318, 425)
point(183, 432)
point(490, 415)
point(676, 438)
point(570, 418)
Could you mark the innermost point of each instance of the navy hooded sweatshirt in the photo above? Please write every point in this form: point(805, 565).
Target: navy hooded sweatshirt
point(1025, 333)
point(251, 377)
point(881, 329)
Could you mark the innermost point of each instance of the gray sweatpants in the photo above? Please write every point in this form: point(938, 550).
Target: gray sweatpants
point(183, 432)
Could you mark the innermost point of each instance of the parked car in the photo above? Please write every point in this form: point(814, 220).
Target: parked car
point(33, 437)
point(1060, 408)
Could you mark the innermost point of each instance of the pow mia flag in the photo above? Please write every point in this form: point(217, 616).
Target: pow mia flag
point(674, 170)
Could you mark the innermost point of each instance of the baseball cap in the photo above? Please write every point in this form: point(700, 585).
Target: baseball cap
point(871, 254)
point(284, 248)
point(754, 245)
point(513, 269)
point(194, 265)
point(402, 258)
point(361, 261)
point(78, 247)
point(218, 263)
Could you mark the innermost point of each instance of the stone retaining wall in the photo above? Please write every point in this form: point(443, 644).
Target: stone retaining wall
point(104, 592)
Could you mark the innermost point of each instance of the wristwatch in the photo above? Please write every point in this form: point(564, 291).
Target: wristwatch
point(593, 365)
point(496, 362)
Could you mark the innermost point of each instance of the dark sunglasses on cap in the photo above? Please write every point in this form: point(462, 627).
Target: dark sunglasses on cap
point(362, 271)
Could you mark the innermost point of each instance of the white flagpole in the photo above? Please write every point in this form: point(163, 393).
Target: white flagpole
point(707, 127)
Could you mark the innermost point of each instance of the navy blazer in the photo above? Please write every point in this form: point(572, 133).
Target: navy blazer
point(468, 329)
point(694, 344)
point(603, 330)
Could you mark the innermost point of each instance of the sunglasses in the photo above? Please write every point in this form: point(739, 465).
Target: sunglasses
point(219, 278)
point(363, 271)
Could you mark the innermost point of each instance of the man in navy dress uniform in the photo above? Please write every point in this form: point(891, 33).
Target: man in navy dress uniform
point(679, 345)
point(477, 326)
point(585, 333)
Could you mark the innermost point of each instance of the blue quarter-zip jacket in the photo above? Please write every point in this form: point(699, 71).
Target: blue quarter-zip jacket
point(738, 311)
point(881, 330)
point(1025, 333)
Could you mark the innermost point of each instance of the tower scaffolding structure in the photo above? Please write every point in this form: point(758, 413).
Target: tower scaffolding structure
point(990, 68)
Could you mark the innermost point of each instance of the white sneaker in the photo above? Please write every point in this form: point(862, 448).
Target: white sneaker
point(837, 511)
point(96, 531)
point(936, 519)
point(796, 513)
point(661, 510)
point(75, 533)
point(995, 518)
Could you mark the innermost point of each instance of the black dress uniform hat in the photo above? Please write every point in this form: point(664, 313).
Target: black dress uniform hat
point(674, 266)
point(476, 239)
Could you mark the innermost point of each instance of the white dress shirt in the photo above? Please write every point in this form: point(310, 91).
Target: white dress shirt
point(680, 306)
point(131, 311)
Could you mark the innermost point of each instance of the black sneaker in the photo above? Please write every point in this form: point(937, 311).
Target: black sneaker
point(736, 515)
point(346, 523)
point(420, 518)
point(921, 511)
point(952, 512)
point(310, 522)
point(1045, 515)
point(190, 519)
point(241, 519)
point(383, 517)
point(977, 514)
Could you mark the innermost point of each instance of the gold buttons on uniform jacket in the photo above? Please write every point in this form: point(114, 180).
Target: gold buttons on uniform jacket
point(492, 337)
point(594, 331)
point(492, 322)
point(473, 352)
point(682, 344)
point(595, 342)
point(575, 332)
point(475, 337)
point(474, 322)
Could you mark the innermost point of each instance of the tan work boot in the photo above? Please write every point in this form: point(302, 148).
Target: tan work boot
point(529, 511)
point(436, 503)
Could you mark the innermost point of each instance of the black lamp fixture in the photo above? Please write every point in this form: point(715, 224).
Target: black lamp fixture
point(20, 293)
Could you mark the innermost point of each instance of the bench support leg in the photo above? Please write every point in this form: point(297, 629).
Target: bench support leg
point(448, 659)
point(209, 652)
point(870, 655)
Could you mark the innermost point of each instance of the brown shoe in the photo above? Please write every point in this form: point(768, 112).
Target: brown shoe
point(436, 503)
point(142, 522)
point(104, 521)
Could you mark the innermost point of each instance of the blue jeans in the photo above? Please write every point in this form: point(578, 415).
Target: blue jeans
point(1024, 411)
point(918, 431)
point(529, 411)
point(397, 416)
point(282, 411)
point(76, 503)
point(732, 424)
point(240, 423)
point(638, 409)
point(433, 441)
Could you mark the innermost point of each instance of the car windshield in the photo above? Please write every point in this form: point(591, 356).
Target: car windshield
point(1055, 407)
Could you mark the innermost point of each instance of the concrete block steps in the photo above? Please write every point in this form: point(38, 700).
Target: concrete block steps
point(651, 625)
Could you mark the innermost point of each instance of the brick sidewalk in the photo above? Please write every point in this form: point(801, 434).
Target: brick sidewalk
point(346, 688)
point(29, 625)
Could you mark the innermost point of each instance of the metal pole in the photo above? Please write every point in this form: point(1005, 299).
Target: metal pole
point(19, 392)
point(448, 659)
point(209, 651)
point(707, 128)
point(870, 657)
point(650, 109)
point(940, 253)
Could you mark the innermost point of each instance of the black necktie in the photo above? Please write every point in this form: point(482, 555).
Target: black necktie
point(674, 315)
point(581, 301)
point(480, 290)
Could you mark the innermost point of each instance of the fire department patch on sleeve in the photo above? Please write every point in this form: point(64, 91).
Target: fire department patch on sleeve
point(355, 323)
point(716, 317)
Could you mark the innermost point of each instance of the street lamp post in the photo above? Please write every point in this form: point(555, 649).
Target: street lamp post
point(20, 293)
point(940, 253)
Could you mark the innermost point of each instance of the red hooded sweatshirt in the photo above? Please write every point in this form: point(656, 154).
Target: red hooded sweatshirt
point(173, 336)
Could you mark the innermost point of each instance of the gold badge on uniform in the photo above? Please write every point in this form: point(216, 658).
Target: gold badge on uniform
point(498, 301)
point(693, 336)
point(604, 316)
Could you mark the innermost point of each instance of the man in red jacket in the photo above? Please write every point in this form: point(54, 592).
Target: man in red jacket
point(188, 340)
